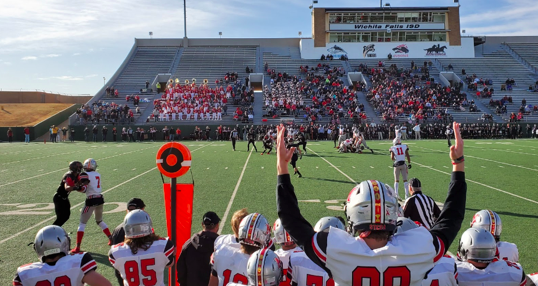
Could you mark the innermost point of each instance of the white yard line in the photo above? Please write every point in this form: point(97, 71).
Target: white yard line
point(79, 204)
point(36, 158)
point(225, 217)
point(484, 159)
point(501, 150)
point(65, 169)
point(478, 183)
point(332, 166)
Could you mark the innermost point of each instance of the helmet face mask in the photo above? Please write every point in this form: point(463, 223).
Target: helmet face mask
point(137, 223)
point(265, 268)
point(51, 240)
point(478, 245)
point(371, 206)
point(254, 230)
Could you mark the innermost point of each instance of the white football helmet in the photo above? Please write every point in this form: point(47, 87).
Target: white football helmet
point(371, 206)
point(488, 220)
point(404, 224)
point(282, 237)
point(51, 240)
point(328, 221)
point(264, 268)
point(254, 230)
point(90, 165)
point(137, 223)
point(477, 244)
point(396, 141)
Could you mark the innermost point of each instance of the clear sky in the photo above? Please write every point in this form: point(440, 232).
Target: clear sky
point(68, 46)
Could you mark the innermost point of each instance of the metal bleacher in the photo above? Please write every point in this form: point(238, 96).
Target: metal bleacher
point(288, 60)
point(213, 63)
point(528, 51)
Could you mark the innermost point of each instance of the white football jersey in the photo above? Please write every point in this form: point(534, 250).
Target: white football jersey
point(226, 239)
point(444, 273)
point(350, 259)
point(68, 270)
point(94, 187)
point(230, 265)
point(499, 272)
point(284, 256)
point(399, 152)
point(303, 271)
point(348, 142)
point(146, 265)
point(508, 251)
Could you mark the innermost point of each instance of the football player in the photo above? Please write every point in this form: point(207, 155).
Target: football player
point(490, 221)
point(263, 268)
point(70, 182)
point(142, 252)
point(267, 144)
point(94, 203)
point(444, 272)
point(302, 270)
point(362, 142)
point(302, 140)
point(478, 264)
point(229, 263)
point(232, 239)
point(56, 266)
point(398, 153)
point(376, 254)
point(532, 279)
point(288, 246)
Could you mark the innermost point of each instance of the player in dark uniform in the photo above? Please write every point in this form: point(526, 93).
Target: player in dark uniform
point(267, 144)
point(296, 156)
point(302, 140)
point(251, 139)
point(70, 182)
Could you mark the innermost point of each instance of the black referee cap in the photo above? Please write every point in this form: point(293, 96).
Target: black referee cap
point(415, 183)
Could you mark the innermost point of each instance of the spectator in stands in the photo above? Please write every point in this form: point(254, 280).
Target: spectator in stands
point(147, 84)
point(451, 68)
point(193, 265)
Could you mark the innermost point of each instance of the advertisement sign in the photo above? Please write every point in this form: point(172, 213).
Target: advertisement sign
point(385, 26)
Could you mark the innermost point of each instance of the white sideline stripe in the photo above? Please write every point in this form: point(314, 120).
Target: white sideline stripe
point(332, 166)
point(478, 183)
point(489, 160)
point(79, 204)
point(63, 169)
point(73, 207)
point(223, 220)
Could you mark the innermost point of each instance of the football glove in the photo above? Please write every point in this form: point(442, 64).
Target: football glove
point(409, 166)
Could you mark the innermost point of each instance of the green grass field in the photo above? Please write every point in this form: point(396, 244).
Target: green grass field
point(501, 175)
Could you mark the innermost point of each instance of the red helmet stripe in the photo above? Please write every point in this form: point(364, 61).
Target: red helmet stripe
point(493, 222)
point(377, 202)
point(259, 269)
point(251, 225)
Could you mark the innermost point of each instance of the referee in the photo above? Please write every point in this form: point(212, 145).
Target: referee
point(420, 207)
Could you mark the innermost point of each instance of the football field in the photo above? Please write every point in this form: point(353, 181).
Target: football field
point(501, 175)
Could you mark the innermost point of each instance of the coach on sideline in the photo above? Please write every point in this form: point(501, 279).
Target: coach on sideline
point(419, 207)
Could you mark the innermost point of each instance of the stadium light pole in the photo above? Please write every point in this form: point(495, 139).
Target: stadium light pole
point(185, 17)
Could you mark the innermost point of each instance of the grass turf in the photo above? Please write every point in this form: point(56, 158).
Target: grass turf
point(500, 176)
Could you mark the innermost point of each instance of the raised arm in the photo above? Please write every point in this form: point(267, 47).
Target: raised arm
point(449, 222)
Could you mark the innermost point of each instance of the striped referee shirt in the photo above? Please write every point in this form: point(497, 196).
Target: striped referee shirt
point(421, 208)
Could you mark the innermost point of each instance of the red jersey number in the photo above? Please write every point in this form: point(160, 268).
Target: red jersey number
point(59, 281)
point(98, 181)
point(399, 151)
point(314, 280)
point(133, 272)
point(238, 278)
point(374, 276)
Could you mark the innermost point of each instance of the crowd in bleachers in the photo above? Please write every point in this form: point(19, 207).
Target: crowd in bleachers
point(406, 93)
point(329, 96)
point(105, 112)
point(193, 101)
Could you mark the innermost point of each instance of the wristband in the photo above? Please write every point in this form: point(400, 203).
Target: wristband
point(459, 160)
